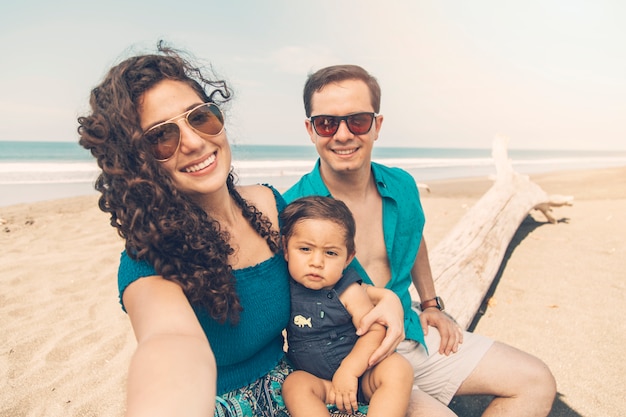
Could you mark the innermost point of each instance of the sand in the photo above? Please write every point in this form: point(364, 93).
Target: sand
point(561, 296)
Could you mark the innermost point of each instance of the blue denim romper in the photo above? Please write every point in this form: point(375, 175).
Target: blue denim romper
point(320, 333)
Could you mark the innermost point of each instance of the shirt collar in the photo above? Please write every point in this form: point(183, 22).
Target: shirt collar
point(377, 172)
point(379, 178)
point(318, 183)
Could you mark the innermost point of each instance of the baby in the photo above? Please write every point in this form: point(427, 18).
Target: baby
point(327, 304)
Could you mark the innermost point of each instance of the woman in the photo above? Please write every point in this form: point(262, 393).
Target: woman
point(202, 278)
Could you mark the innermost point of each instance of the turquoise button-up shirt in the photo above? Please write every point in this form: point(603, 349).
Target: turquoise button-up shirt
point(403, 225)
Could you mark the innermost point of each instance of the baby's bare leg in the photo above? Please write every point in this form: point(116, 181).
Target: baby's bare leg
point(388, 387)
point(305, 394)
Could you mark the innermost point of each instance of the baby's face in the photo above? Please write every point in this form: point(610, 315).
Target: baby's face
point(317, 253)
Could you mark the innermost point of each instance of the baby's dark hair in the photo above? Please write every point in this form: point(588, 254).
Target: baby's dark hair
point(319, 208)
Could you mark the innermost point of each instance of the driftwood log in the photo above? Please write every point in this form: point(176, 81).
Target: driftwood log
point(465, 263)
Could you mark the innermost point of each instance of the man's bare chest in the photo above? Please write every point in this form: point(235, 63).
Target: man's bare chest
point(370, 245)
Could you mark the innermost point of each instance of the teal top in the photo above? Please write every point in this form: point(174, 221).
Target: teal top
point(403, 224)
point(254, 346)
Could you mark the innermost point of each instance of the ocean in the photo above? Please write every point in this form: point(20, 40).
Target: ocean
point(37, 171)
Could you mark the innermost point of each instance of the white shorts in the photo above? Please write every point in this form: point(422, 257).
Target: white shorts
point(440, 376)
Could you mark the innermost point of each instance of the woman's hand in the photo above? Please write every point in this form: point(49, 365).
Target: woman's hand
point(388, 312)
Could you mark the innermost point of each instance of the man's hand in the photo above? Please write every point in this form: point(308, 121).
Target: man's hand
point(450, 332)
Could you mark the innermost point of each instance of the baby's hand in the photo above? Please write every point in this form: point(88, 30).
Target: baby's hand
point(344, 390)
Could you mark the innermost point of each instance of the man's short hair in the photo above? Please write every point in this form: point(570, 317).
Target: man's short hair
point(337, 73)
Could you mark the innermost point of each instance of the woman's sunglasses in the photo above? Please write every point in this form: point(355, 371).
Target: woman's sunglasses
point(164, 138)
point(358, 123)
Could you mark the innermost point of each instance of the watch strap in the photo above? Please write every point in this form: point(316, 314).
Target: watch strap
point(436, 302)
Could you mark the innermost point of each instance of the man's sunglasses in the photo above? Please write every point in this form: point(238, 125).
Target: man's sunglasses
point(358, 123)
point(164, 138)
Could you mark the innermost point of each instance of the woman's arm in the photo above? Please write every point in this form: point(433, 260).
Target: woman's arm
point(389, 313)
point(172, 371)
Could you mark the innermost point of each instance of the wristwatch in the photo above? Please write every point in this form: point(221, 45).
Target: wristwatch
point(436, 302)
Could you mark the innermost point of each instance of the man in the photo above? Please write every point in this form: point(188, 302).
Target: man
point(342, 105)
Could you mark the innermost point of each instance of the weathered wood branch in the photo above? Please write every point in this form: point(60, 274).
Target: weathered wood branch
point(466, 261)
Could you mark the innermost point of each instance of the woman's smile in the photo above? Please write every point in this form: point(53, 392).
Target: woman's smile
point(201, 165)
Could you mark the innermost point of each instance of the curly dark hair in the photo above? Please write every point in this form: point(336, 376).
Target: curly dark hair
point(159, 223)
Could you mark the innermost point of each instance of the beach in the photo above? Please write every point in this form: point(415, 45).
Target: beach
point(561, 296)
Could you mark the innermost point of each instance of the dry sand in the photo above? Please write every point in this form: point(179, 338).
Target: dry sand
point(561, 296)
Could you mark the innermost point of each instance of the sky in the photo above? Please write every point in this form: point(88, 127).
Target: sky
point(548, 74)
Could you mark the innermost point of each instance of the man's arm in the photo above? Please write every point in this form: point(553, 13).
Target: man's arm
point(450, 332)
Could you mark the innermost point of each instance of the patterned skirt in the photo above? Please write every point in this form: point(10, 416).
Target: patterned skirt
point(263, 398)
